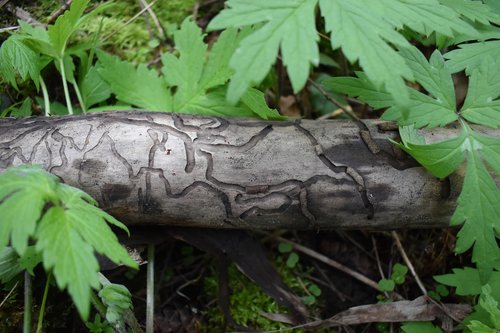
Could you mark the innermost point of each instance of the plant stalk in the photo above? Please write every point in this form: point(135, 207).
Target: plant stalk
point(41, 315)
point(150, 289)
point(45, 96)
point(28, 299)
point(65, 86)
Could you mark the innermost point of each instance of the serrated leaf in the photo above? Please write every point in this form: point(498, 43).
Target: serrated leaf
point(94, 88)
point(466, 280)
point(420, 110)
point(200, 83)
point(487, 302)
point(17, 57)
point(479, 202)
point(473, 10)
point(481, 105)
point(365, 30)
point(139, 86)
point(471, 56)
point(433, 75)
point(65, 25)
point(185, 71)
point(17, 187)
point(69, 256)
point(441, 158)
point(479, 211)
point(90, 223)
point(289, 24)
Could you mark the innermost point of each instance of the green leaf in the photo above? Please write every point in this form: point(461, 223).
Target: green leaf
point(479, 202)
point(487, 302)
point(139, 86)
point(386, 285)
point(30, 259)
point(471, 56)
point(433, 75)
point(420, 110)
point(17, 57)
point(67, 235)
point(315, 290)
point(479, 211)
point(90, 223)
point(399, 273)
point(365, 30)
point(117, 299)
point(254, 99)
point(285, 247)
point(473, 10)
point(9, 264)
point(24, 110)
point(200, 83)
point(69, 256)
point(94, 88)
point(420, 327)
point(65, 25)
point(482, 106)
point(19, 186)
point(292, 260)
point(466, 281)
point(289, 24)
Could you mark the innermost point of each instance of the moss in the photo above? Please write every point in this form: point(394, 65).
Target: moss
point(248, 301)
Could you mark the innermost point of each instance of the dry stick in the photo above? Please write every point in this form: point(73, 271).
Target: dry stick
point(408, 262)
point(379, 265)
point(59, 11)
point(151, 13)
point(345, 108)
point(133, 18)
point(10, 293)
point(324, 259)
point(3, 2)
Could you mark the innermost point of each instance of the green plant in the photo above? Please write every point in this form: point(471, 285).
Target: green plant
point(461, 35)
point(397, 277)
point(65, 226)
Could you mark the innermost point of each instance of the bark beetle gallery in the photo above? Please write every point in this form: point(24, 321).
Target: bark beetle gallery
point(185, 170)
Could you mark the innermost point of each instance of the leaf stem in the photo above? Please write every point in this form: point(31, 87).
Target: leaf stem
point(150, 289)
point(65, 86)
point(45, 96)
point(80, 99)
point(28, 299)
point(41, 314)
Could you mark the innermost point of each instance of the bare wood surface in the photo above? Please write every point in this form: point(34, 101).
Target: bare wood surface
point(182, 170)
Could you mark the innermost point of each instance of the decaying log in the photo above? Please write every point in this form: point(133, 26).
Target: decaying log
point(182, 170)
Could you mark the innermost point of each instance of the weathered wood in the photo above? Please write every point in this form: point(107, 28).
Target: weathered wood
point(172, 169)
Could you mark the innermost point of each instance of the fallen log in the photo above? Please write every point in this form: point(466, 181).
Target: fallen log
point(182, 170)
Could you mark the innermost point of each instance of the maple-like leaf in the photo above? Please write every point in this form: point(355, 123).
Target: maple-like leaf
point(471, 56)
point(17, 57)
point(139, 86)
point(420, 110)
point(66, 235)
point(479, 201)
point(65, 25)
point(289, 24)
point(17, 187)
point(366, 30)
point(481, 105)
point(199, 81)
